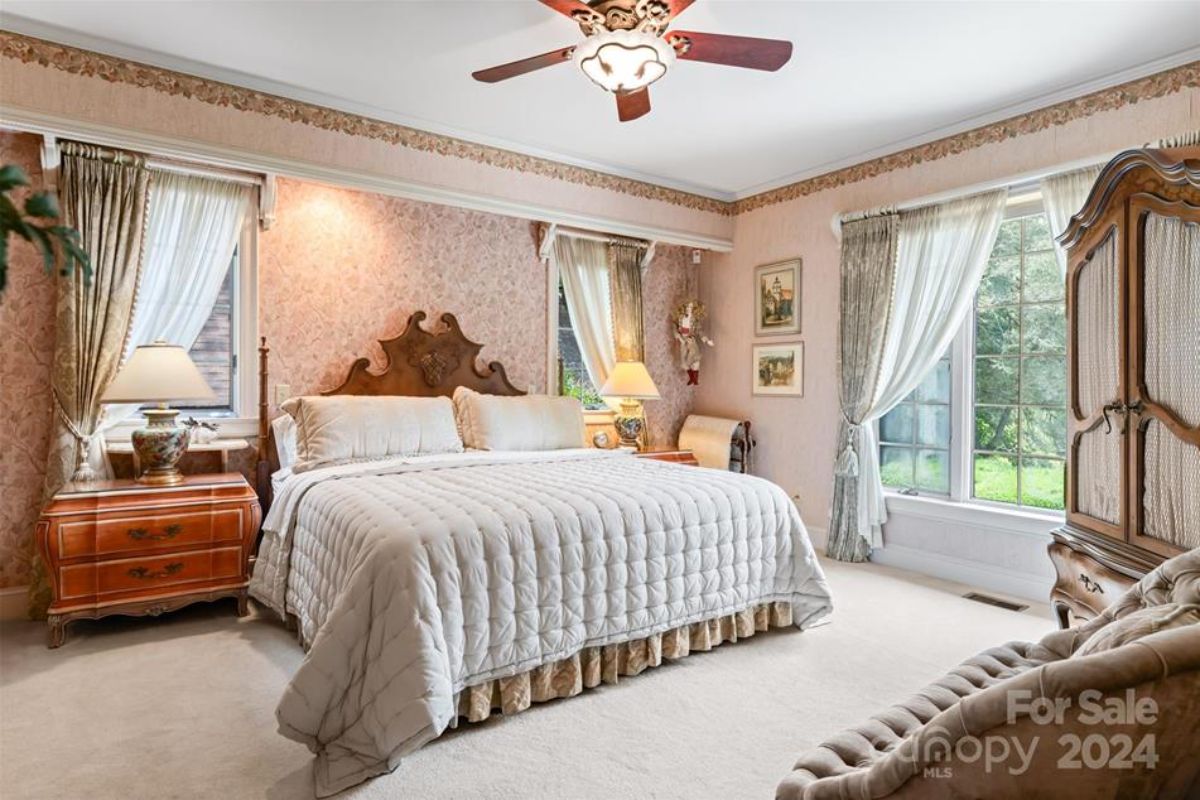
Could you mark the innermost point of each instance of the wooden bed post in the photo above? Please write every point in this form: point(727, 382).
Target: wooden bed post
point(263, 468)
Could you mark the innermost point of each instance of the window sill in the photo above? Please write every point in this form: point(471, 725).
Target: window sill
point(980, 515)
point(598, 417)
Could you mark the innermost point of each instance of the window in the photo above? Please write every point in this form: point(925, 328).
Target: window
point(989, 422)
point(215, 350)
point(1020, 370)
point(914, 450)
point(573, 379)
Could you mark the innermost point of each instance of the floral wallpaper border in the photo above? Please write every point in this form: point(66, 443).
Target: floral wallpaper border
point(77, 61)
point(1160, 84)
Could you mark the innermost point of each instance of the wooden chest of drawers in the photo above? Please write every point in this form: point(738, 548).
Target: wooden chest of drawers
point(118, 547)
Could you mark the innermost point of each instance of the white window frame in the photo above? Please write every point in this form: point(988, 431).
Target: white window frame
point(960, 505)
point(244, 421)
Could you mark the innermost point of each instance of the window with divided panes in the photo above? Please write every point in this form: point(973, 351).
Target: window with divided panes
point(1013, 378)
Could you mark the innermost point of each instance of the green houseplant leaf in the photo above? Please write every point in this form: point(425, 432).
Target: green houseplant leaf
point(58, 244)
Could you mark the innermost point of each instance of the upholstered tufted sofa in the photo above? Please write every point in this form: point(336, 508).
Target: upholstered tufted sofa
point(1126, 687)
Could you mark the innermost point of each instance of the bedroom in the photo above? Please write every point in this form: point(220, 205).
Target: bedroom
point(884, 280)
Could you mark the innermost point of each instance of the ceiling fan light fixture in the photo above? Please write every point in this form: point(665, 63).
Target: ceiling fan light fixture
point(624, 61)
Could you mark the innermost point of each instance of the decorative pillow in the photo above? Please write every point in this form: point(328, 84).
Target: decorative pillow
point(284, 428)
point(533, 422)
point(1138, 624)
point(342, 428)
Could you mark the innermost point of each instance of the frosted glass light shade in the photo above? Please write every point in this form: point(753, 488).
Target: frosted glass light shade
point(158, 373)
point(624, 61)
point(630, 379)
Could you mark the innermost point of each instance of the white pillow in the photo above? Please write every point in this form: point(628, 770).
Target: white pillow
point(284, 428)
point(342, 428)
point(534, 422)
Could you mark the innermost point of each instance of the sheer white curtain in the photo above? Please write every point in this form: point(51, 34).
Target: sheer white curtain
point(1063, 195)
point(194, 226)
point(583, 269)
point(940, 260)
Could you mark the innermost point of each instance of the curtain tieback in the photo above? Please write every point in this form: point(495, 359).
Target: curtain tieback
point(72, 428)
point(847, 462)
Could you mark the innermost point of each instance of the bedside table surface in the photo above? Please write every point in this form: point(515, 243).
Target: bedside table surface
point(127, 485)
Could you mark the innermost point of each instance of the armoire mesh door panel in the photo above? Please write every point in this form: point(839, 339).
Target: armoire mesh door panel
point(1098, 475)
point(1171, 488)
point(1098, 333)
point(1171, 310)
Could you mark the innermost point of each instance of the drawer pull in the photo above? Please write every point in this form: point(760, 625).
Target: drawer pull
point(1091, 585)
point(145, 574)
point(142, 534)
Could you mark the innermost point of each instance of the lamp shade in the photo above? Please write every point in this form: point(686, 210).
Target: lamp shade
point(630, 379)
point(158, 373)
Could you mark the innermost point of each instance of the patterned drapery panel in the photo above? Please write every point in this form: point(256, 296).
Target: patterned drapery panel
point(625, 279)
point(103, 195)
point(868, 273)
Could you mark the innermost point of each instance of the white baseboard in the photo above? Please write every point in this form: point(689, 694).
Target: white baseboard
point(14, 602)
point(818, 537)
point(960, 570)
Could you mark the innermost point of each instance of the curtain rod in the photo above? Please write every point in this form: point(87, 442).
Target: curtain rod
point(597, 236)
point(1025, 181)
point(160, 164)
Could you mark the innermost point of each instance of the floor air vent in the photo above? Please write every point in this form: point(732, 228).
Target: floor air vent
point(994, 601)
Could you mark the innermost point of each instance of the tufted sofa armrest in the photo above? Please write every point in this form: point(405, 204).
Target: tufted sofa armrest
point(907, 750)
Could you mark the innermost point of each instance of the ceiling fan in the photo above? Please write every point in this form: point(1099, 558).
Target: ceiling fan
point(628, 47)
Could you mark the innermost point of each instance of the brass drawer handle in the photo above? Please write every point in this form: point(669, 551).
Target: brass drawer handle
point(1091, 585)
point(142, 534)
point(145, 574)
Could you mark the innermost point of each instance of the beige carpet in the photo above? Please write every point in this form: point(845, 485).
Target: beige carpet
point(182, 707)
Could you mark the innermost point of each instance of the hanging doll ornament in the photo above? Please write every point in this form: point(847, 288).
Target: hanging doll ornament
point(688, 317)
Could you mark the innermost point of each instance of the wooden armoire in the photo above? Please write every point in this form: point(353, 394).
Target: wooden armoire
point(1133, 409)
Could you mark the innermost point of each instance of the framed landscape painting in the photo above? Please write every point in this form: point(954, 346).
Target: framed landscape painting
point(778, 369)
point(777, 298)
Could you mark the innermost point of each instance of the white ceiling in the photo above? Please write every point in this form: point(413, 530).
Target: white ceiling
point(866, 78)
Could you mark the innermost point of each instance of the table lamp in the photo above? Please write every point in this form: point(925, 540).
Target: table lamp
point(159, 373)
point(631, 383)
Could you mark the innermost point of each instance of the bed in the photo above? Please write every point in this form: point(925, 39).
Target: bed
point(433, 588)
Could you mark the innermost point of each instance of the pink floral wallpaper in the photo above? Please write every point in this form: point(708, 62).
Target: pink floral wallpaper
point(670, 279)
point(27, 339)
point(341, 269)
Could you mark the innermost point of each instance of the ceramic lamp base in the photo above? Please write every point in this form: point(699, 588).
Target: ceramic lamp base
point(630, 429)
point(159, 447)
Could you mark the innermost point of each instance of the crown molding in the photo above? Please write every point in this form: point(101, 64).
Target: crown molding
point(74, 60)
point(1159, 84)
point(86, 63)
point(186, 66)
point(31, 121)
point(1011, 112)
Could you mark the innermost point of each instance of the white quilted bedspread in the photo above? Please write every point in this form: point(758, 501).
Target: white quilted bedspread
point(414, 578)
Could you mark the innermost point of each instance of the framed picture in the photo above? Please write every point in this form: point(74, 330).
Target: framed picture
point(777, 298)
point(778, 369)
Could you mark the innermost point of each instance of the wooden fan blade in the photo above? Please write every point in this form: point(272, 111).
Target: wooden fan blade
point(678, 7)
point(631, 105)
point(506, 71)
point(734, 51)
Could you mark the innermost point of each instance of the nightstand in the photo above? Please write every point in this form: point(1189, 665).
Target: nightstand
point(120, 547)
point(670, 454)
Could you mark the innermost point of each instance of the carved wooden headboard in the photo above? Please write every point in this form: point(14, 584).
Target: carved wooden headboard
point(419, 363)
point(424, 364)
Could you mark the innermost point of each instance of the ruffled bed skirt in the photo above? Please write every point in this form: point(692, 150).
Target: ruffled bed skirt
point(593, 666)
